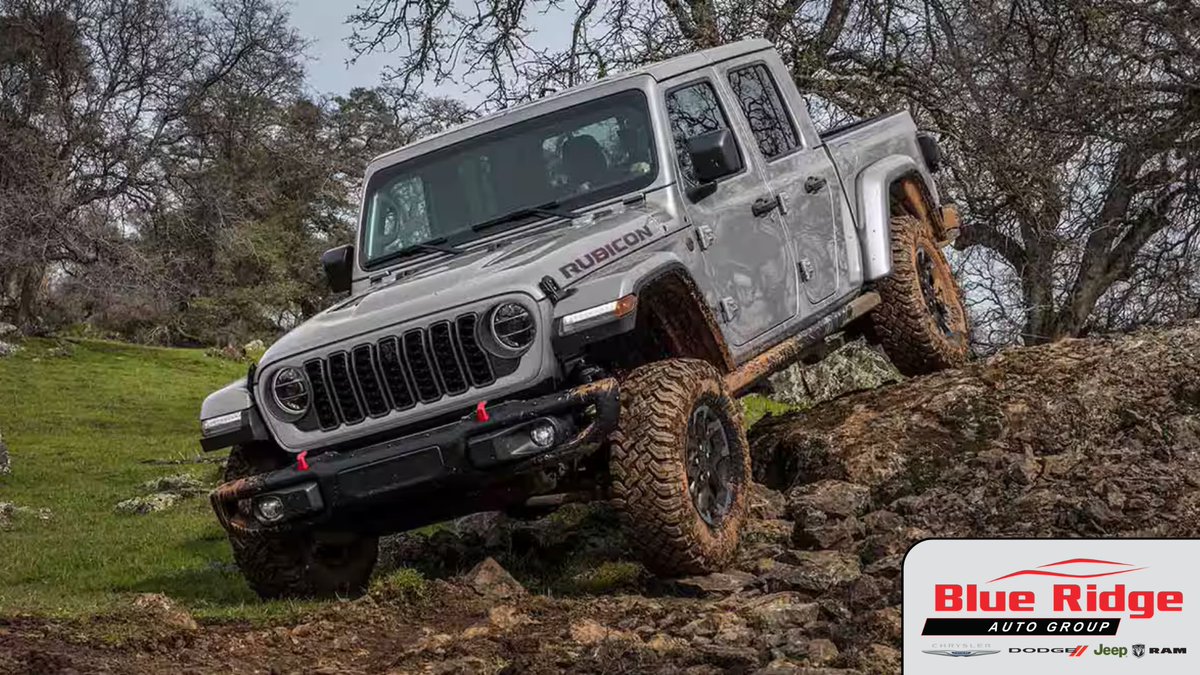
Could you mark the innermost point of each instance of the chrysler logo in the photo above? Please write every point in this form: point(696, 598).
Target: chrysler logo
point(962, 652)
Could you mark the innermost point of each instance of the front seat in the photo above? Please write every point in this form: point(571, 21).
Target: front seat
point(584, 163)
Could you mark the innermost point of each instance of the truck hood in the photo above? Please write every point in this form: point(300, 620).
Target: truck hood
point(506, 263)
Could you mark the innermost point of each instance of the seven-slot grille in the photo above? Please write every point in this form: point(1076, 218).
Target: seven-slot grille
point(398, 371)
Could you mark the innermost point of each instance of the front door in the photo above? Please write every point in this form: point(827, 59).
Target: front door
point(804, 179)
point(746, 255)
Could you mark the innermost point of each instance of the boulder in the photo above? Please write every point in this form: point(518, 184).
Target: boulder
point(144, 504)
point(781, 610)
point(590, 632)
point(10, 512)
point(814, 571)
point(183, 485)
point(1081, 438)
point(718, 583)
point(854, 367)
point(161, 610)
point(491, 580)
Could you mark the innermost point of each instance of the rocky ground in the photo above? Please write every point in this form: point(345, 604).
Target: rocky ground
point(1096, 437)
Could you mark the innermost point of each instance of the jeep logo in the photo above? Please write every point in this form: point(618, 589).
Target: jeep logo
point(606, 252)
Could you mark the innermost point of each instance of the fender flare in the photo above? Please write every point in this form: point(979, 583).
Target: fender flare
point(619, 281)
point(873, 188)
point(233, 398)
point(633, 278)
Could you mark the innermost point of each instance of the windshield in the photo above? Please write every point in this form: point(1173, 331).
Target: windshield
point(574, 157)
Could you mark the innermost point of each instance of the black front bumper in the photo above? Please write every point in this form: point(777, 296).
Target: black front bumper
point(345, 489)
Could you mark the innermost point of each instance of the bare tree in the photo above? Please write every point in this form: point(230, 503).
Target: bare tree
point(1073, 125)
point(92, 94)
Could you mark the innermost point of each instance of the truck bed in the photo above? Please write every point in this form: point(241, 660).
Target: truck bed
point(857, 145)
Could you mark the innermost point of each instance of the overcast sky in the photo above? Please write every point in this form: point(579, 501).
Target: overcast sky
point(323, 24)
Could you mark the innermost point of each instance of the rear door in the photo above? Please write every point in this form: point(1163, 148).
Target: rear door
point(746, 256)
point(803, 178)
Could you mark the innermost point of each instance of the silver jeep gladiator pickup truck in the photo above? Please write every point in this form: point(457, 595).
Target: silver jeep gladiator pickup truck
point(562, 301)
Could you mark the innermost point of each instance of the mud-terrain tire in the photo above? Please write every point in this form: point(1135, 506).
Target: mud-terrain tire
point(296, 565)
point(920, 321)
point(649, 462)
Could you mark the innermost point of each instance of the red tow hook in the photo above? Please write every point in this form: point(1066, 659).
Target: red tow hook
point(481, 413)
point(301, 461)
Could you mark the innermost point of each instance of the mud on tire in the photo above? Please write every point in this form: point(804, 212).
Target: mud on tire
point(920, 321)
point(296, 565)
point(660, 405)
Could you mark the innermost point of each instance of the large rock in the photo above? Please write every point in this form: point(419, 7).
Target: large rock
point(1093, 437)
point(162, 493)
point(146, 504)
point(1082, 438)
point(491, 580)
point(854, 367)
point(718, 583)
point(161, 610)
point(10, 512)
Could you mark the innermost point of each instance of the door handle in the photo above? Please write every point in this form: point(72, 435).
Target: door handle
point(814, 184)
point(764, 205)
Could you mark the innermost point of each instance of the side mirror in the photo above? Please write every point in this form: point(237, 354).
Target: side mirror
point(714, 155)
point(339, 267)
point(931, 151)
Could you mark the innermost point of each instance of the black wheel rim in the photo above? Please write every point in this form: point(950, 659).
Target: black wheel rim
point(709, 465)
point(931, 292)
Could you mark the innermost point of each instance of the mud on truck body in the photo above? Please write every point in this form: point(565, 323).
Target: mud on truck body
point(562, 302)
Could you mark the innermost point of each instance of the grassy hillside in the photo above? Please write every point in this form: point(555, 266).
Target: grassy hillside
point(85, 429)
point(87, 423)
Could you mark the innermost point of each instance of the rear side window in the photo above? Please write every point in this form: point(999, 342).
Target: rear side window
point(693, 110)
point(758, 96)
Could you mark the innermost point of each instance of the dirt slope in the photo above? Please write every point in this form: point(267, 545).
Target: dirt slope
point(1082, 438)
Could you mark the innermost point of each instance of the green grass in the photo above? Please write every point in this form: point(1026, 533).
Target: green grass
point(756, 407)
point(80, 429)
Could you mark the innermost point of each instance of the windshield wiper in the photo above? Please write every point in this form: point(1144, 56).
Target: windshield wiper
point(547, 210)
point(437, 245)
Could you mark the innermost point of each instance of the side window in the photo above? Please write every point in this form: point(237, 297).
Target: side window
point(756, 93)
point(693, 110)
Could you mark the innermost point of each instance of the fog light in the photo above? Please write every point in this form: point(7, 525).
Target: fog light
point(543, 433)
point(268, 509)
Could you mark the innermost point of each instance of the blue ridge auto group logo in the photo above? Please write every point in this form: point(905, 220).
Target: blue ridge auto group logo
point(998, 606)
point(1081, 586)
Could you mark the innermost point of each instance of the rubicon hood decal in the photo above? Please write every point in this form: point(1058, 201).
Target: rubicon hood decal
point(606, 252)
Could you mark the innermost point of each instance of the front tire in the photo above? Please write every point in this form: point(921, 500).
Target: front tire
point(300, 565)
point(680, 467)
point(920, 321)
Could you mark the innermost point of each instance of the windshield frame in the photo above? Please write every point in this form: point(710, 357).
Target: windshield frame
point(524, 119)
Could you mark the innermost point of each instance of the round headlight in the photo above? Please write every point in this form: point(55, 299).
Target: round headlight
point(290, 389)
point(512, 326)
